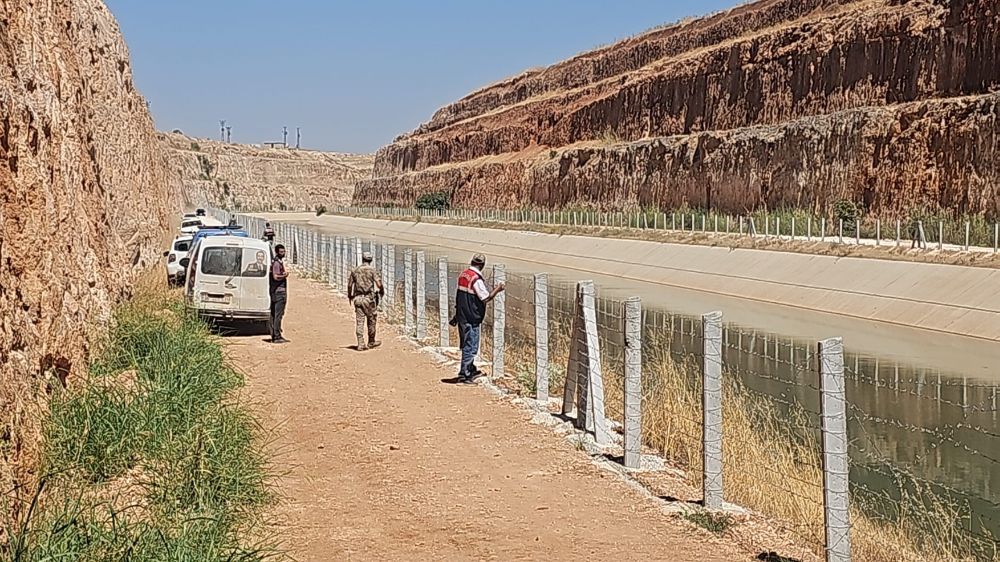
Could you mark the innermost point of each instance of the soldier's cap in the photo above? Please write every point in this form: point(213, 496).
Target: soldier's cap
point(367, 256)
point(478, 259)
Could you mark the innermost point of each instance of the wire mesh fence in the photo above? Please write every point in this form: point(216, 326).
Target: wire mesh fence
point(909, 496)
point(847, 226)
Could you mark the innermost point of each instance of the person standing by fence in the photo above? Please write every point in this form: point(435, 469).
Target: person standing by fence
point(470, 311)
point(279, 293)
point(364, 290)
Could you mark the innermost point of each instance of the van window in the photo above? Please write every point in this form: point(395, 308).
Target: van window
point(222, 261)
point(187, 224)
point(182, 245)
point(254, 263)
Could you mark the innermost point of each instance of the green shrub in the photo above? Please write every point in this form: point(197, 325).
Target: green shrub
point(846, 211)
point(434, 201)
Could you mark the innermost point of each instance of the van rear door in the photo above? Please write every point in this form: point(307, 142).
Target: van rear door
point(254, 277)
point(218, 285)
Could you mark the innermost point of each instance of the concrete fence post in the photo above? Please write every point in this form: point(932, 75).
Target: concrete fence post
point(357, 252)
point(840, 232)
point(499, 321)
point(857, 231)
point(390, 274)
point(996, 237)
point(633, 382)
point(712, 410)
point(443, 312)
point(330, 278)
point(967, 228)
point(341, 263)
point(878, 232)
point(940, 235)
point(584, 387)
point(822, 230)
point(408, 321)
point(421, 295)
point(836, 486)
point(542, 337)
point(899, 233)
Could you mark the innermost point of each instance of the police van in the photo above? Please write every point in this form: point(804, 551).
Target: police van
point(228, 278)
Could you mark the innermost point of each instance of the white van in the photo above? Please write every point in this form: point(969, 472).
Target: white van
point(227, 278)
point(190, 225)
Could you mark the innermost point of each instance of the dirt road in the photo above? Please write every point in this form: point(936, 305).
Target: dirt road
point(386, 462)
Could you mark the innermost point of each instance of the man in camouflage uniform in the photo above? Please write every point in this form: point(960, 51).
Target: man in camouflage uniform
point(364, 289)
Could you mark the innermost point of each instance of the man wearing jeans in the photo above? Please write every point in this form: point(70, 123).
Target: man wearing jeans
point(470, 311)
point(279, 293)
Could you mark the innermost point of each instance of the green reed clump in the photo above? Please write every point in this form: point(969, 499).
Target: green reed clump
point(153, 457)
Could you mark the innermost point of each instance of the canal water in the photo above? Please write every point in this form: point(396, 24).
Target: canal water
point(922, 406)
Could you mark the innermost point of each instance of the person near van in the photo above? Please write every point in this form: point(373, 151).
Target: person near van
point(268, 232)
point(470, 311)
point(364, 289)
point(279, 293)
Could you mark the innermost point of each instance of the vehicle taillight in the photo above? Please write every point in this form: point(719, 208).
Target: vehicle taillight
point(172, 258)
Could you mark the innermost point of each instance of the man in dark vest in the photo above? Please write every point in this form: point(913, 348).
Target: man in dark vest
point(470, 311)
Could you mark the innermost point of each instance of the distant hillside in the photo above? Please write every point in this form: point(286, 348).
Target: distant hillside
point(774, 104)
point(251, 178)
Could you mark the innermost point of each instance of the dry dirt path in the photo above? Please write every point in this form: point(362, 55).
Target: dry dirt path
point(385, 462)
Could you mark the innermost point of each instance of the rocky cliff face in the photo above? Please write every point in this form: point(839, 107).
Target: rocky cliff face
point(777, 103)
point(250, 178)
point(84, 201)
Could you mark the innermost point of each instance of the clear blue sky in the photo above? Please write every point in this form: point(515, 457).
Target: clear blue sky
point(353, 74)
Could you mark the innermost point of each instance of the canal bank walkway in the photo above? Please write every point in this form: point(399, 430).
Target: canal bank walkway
point(383, 461)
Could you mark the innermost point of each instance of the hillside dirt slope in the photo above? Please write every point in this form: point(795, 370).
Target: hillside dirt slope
point(779, 103)
point(85, 200)
point(387, 462)
point(247, 177)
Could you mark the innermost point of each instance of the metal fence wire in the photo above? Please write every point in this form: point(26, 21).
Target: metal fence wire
point(836, 446)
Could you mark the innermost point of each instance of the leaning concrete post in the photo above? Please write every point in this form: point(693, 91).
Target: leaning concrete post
point(633, 382)
point(836, 486)
point(712, 410)
point(408, 323)
point(499, 321)
point(443, 339)
point(542, 337)
point(421, 295)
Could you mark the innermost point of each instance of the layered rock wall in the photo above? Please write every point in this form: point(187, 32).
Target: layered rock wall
point(250, 178)
point(776, 103)
point(85, 201)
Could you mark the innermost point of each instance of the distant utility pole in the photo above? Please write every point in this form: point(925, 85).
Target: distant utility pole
point(222, 130)
point(284, 136)
point(229, 134)
point(298, 137)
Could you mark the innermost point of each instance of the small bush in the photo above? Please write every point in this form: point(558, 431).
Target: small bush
point(436, 201)
point(846, 211)
point(320, 210)
point(717, 523)
point(195, 147)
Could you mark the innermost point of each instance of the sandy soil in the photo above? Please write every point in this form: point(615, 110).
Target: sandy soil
point(386, 462)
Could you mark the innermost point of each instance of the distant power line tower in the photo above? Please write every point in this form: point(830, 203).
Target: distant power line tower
point(229, 134)
point(298, 137)
point(222, 130)
point(284, 136)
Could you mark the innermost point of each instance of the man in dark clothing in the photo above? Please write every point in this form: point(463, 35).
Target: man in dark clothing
point(470, 311)
point(279, 293)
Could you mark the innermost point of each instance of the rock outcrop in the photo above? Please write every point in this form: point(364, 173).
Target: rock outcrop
point(250, 178)
point(778, 103)
point(86, 201)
